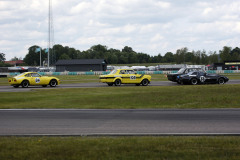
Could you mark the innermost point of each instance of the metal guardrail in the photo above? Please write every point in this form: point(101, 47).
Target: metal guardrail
point(107, 72)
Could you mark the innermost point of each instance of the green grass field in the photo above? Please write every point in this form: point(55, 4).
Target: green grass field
point(130, 148)
point(136, 97)
point(121, 148)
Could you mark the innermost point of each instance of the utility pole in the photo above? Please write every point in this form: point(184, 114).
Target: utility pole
point(50, 30)
point(40, 57)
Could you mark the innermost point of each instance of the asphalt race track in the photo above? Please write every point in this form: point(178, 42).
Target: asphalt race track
point(94, 85)
point(75, 122)
point(119, 122)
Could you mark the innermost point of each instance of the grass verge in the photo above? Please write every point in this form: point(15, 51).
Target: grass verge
point(161, 148)
point(186, 96)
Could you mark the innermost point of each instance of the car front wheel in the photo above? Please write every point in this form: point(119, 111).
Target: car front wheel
point(145, 82)
point(53, 83)
point(221, 81)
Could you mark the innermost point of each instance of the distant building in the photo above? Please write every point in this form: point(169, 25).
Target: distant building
point(170, 67)
point(227, 65)
point(15, 63)
point(75, 65)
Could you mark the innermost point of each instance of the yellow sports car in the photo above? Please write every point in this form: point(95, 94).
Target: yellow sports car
point(32, 79)
point(125, 76)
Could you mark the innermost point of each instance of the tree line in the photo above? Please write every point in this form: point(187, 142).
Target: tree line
point(127, 55)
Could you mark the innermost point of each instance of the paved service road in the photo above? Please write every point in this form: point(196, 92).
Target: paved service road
point(120, 122)
point(94, 85)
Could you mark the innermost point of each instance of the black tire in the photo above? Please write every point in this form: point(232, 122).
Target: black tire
point(145, 82)
point(44, 85)
point(25, 84)
point(181, 82)
point(53, 83)
point(16, 86)
point(118, 82)
point(221, 81)
point(194, 81)
point(110, 84)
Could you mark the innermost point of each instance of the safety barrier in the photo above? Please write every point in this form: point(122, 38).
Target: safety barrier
point(107, 72)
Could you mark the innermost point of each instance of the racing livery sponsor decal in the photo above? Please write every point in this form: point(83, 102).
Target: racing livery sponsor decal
point(202, 79)
point(37, 80)
point(132, 77)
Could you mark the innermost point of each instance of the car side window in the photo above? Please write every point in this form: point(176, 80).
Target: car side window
point(28, 75)
point(201, 73)
point(130, 72)
point(195, 73)
point(35, 75)
point(122, 72)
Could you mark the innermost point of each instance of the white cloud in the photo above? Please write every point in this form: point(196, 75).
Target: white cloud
point(153, 26)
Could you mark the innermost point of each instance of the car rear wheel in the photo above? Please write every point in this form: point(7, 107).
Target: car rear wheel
point(221, 81)
point(194, 81)
point(145, 82)
point(118, 82)
point(53, 83)
point(25, 84)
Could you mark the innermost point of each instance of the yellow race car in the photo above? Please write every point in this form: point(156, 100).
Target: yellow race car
point(32, 79)
point(125, 76)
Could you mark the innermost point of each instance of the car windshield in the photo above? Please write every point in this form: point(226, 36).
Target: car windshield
point(181, 70)
point(113, 72)
point(131, 72)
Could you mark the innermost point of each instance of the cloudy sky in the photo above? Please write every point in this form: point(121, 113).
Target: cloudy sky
point(148, 26)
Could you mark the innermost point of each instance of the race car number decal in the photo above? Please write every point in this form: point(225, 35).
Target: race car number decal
point(37, 80)
point(132, 77)
point(202, 78)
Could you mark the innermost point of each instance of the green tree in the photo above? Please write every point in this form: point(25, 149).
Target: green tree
point(58, 50)
point(225, 54)
point(168, 57)
point(197, 57)
point(235, 54)
point(64, 56)
point(14, 59)
point(213, 57)
point(127, 49)
point(33, 57)
point(189, 57)
point(2, 57)
point(204, 57)
point(180, 55)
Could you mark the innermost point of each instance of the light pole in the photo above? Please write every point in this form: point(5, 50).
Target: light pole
point(40, 56)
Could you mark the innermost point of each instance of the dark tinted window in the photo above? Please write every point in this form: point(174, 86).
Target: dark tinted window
point(194, 73)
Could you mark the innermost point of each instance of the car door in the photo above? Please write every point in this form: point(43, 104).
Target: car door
point(133, 77)
point(211, 78)
point(123, 75)
point(36, 79)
